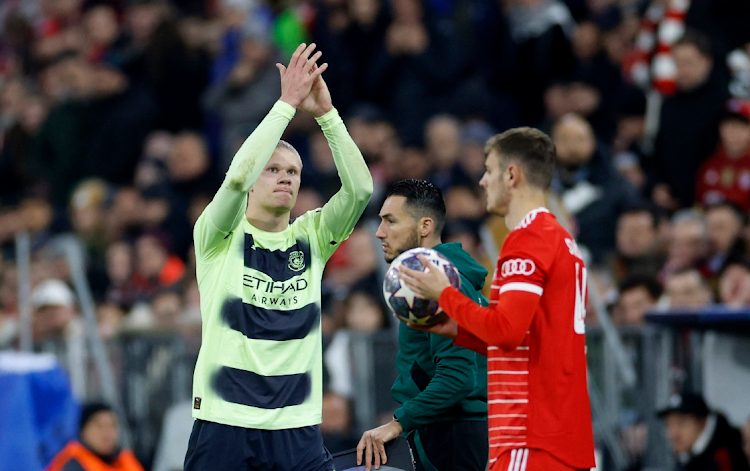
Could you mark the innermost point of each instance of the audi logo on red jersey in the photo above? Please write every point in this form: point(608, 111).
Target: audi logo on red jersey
point(517, 266)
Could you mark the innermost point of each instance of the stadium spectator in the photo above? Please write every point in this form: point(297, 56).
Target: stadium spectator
point(362, 39)
point(686, 288)
point(167, 309)
point(87, 209)
point(241, 98)
point(442, 136)
point(688, 123)
point(532, 41)
point(119, 267)
point(17, 175)
point(638, 294)
point(189, 176)
point(416, 68)
point(724, 222)
point(725, 176)
point(441, 388)
point(598, 85)
point(637, 249)
point(591, 190)
point(701, 439)
point(734, 283)
point(688, 243)
point(98, 445)
point(362, 312)
point(57, 328)
point(155, 267)
point(55, 315)
point(629, 149)
point(102, 36)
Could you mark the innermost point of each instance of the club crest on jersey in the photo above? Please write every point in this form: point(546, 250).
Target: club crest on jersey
point(517, 266)
point(297, 260)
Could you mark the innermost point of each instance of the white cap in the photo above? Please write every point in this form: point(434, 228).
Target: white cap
point(52, 293)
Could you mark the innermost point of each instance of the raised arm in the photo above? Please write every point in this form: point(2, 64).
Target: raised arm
point(342, 211)
point(228, 206)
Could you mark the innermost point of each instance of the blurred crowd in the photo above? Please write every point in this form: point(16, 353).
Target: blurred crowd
point(118, 119)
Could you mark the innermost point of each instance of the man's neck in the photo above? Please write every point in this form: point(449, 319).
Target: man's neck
point(268, 222)
point(431, 242)
point(522, 203)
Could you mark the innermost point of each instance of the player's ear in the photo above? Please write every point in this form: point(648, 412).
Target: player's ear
point(426, 225)
point(514, 175)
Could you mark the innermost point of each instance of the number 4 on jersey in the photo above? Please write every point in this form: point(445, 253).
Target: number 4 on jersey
point(579, 314)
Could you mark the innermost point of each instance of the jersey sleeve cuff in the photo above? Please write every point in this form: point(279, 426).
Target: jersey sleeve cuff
point(406, 423)
point(284, 109)
point(329, 120)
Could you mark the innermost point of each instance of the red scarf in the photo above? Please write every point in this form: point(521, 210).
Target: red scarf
point(650, 62)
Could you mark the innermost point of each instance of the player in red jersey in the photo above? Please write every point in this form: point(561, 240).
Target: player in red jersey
point(533, 330)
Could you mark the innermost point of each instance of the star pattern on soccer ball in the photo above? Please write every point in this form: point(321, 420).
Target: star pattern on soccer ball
point(407, 294)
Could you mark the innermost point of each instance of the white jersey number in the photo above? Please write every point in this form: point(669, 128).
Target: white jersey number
point(579, 314)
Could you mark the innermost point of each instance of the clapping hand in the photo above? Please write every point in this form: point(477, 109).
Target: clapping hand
point(298, 78)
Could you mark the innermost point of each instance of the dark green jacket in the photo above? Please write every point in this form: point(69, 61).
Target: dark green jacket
point(437, 381)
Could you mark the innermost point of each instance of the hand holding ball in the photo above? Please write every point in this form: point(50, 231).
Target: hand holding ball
point(404, 303)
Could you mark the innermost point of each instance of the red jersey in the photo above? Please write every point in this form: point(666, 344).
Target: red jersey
point(535, 343)
point(724, 179)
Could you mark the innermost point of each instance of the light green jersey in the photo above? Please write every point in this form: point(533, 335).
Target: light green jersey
point(260, 362)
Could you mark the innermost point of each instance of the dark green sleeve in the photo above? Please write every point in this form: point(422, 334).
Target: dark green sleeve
point(455, 378)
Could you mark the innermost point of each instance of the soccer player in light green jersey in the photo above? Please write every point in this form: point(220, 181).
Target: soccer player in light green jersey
point(257, 387)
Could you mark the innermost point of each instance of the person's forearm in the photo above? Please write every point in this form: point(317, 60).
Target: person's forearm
point(470, 341)
point(347, 205)
point(230, 202)
point(503, 325)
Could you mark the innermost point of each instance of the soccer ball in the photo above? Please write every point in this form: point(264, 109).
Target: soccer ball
point(402, 300)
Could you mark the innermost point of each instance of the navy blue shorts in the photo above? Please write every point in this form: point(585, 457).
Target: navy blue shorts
point(218, 447)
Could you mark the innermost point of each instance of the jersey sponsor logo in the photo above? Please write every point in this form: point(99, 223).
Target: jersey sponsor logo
point(517, 266)
point(297, 260)
point(274, 287)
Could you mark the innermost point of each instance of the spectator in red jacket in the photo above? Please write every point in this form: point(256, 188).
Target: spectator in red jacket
point(725, 176)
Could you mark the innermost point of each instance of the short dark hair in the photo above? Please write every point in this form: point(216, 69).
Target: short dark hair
point(638, 280)
point(422, 199)
point(698, 40)
point(89, 410)
point(640, 208)
point(531, 148)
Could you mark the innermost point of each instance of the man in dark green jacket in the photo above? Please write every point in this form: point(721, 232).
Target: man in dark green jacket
point(442, 388)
